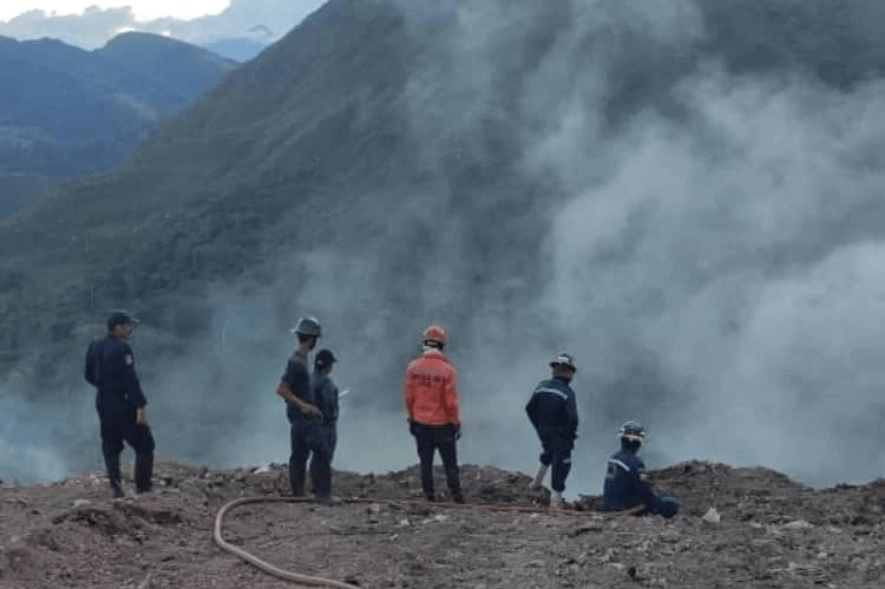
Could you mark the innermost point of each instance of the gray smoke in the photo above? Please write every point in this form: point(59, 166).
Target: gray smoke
point(34, 437)
point(713, 263)
point(702, 231)
point(711, 258)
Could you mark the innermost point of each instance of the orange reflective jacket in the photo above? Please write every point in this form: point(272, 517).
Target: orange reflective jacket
point(431, 390)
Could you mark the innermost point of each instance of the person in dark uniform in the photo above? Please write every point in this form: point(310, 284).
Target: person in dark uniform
point(553, 411)
point(625, 484)
point(121, 405)
point(294, 388)
point(323, 436)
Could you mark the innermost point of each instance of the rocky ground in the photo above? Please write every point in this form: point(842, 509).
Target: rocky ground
point(739, 527)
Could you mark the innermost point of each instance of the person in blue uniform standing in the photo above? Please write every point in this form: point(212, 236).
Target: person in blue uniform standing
point(553, 412)
point(626, 486)
point(120, 402)
point(324, 436)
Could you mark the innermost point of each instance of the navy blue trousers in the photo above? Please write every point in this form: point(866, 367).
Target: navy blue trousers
point(315, 441)
point(117, 428)
point(557, 453)
point(429, 439)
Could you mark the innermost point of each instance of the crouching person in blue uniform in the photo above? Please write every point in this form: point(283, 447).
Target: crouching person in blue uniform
point(626, 486)
point(325, 395)
point(553, 411)
point(110, 368)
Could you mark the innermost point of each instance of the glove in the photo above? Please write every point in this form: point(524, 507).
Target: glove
point(456, 430)
point(413, 427)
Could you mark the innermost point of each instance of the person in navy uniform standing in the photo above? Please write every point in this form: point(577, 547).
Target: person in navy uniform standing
point(121, 404)
point(553, 411)
point(324, 435)
point(626, 486)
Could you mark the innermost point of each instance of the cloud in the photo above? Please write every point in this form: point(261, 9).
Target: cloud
point(144, 10)
point(96, 26)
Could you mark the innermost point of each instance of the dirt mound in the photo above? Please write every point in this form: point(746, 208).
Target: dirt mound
point(748, 527)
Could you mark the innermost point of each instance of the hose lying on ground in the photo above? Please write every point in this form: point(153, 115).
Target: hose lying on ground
point(324, 582)
point(264, 566)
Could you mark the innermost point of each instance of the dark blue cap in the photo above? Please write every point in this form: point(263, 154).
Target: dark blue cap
point(325, 358)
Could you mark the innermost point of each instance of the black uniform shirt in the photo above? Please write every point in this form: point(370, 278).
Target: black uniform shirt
point(110, 367)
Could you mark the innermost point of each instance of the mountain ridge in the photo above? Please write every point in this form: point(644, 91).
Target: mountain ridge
point(67, 112)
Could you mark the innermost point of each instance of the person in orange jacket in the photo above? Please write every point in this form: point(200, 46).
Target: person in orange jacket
point(431, 392)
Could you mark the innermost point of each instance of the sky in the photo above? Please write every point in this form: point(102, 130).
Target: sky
point(91, 24)
point(142, 11)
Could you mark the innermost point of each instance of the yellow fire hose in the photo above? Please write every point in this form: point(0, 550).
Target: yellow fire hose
point(325, 582)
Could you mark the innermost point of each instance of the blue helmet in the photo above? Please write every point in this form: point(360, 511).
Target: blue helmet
point(120, 317)
point(632, 431)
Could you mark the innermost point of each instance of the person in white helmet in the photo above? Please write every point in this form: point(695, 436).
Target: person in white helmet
point(553, 411)
point(625, 484)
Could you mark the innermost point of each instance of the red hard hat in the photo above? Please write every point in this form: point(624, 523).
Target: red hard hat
point(435, 333)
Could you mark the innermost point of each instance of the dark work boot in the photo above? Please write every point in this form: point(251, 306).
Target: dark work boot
point(144, 470)
point(296, 481)
point(454, 481)
point(113, 468)
point(427, 482)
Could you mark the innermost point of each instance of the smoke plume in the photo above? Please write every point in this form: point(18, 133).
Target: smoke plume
point(692, 212)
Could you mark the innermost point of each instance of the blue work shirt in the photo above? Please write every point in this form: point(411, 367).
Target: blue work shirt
point(624, 485)
point(325, 396)
point(552, 407)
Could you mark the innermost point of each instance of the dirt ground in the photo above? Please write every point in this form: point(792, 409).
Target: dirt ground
point(770, 532)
